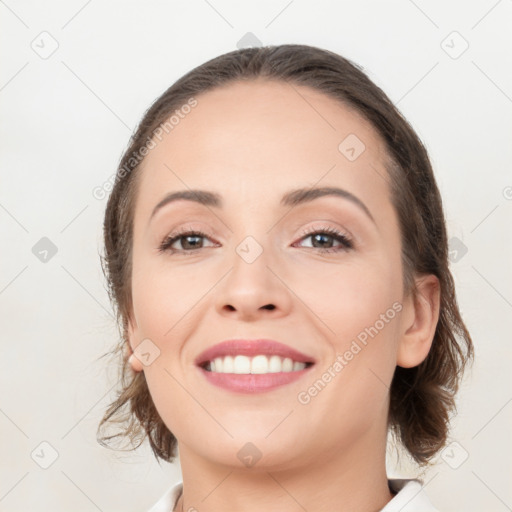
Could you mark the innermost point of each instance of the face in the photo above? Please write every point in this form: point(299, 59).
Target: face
point(320, 274)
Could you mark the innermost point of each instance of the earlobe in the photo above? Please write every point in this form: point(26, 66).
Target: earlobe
point(133, 360)
point(135, 363)
point(418, 336)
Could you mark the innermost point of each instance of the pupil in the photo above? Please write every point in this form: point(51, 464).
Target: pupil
point(319, 236)
point(193, 237)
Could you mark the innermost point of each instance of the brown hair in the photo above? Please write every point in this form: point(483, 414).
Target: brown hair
point(421, 398)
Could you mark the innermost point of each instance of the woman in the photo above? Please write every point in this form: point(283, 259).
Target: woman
point(276, 251)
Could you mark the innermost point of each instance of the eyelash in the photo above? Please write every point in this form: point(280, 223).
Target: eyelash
point(168, 241)
point(345, 241)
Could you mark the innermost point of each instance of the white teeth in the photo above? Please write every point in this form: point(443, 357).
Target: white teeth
point(287, 365)
point(241, 364)
point(274, 364)
point(228, 365)
point(218, 363)
point(259, 364)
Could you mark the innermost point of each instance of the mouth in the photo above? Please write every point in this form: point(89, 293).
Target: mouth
point(251, 366)
point(257, 365)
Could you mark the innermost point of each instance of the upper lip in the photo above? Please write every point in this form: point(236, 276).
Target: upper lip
point(251, 348)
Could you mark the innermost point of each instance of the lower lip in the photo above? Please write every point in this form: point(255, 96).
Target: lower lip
point(254, 382)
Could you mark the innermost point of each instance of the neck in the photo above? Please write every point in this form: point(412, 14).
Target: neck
point(353, 479)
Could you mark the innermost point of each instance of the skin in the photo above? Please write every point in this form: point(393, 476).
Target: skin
point(251, 143)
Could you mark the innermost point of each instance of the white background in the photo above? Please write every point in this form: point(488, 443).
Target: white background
point(65, 122)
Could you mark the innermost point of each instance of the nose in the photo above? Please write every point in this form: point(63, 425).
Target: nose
point(254, 290)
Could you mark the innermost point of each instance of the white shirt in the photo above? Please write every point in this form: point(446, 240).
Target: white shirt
point(410, 498)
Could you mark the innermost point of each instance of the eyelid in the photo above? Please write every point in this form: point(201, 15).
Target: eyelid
point(189, 228)
point(327, 225)
point(183, 231)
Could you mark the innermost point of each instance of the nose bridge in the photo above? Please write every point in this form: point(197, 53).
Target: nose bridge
point(251, 286)
point(250, 265)
point(253, 242)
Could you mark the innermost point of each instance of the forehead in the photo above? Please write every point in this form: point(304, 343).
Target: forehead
point(255, 139)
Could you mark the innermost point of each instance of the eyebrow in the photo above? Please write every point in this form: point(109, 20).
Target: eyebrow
point(291, 198)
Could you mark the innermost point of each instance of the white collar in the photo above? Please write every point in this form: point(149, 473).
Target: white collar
point(410, 498)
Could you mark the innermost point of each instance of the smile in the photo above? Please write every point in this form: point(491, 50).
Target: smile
point(252, 366)
point(260, 364)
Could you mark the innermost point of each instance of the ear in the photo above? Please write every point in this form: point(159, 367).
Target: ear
point(421, 319)
point(131, 333)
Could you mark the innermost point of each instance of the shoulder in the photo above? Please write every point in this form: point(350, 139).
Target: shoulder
point(410, 497)
point(168, 501)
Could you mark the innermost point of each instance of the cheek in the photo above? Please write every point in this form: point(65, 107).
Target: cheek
point(351, 387)
point(163, 300)
point(359, 307)
point(164, 297)
point(348, 298)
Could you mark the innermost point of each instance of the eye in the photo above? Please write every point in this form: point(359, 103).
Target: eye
point(325, 239)
point(322, 240)
point(190, 241)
